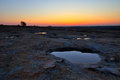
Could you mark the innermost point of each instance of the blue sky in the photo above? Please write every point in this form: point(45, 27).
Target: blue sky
point(41, 12)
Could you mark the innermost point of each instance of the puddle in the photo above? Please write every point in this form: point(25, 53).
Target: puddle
point(83, 38)
point(78, 57)
point(86, 38)
point(84, 35)
point(79, 38)
point(41, 33)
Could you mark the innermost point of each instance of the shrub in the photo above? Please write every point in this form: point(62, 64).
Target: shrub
point(23, 23)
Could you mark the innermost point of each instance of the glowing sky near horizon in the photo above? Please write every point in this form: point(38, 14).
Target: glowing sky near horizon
point(60, 12)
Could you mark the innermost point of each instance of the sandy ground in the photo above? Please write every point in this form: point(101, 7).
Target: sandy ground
point(25, 53)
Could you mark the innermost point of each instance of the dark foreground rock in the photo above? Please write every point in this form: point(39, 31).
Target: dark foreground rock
point(24, 55)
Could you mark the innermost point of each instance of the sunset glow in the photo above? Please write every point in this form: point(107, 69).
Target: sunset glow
point(60, 12)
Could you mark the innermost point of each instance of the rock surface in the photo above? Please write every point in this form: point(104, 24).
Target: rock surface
point(24, 55)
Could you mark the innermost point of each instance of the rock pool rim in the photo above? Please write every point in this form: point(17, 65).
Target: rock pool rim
point(83, 50)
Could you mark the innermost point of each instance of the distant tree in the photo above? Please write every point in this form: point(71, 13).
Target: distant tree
point(23, 23)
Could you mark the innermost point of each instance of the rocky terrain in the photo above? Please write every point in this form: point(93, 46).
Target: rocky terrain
point(25, 53)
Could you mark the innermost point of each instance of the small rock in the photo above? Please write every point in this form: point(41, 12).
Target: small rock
point(114, 58)
point(114, 71)
point(49, 65)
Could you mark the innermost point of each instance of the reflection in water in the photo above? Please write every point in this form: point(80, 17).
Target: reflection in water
point(41, 33)
point(84, 35)
point(78, 57)
point(86, 38)
point(79, 38)
point(83, 38)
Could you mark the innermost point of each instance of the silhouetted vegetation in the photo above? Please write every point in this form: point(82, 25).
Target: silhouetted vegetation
point(23, 23)
point(1, 24)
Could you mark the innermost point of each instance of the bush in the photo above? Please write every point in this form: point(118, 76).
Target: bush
point(23, 23)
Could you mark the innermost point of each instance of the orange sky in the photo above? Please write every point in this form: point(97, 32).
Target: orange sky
point(63, 12)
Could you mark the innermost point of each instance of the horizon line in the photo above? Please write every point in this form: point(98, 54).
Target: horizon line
point(57, 25)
